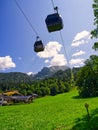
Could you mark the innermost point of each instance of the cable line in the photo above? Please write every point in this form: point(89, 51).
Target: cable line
point(62, 40)
point(26, 17)
point(38, 45)
point(56, 8)
point(71, 72)
point(53, 4)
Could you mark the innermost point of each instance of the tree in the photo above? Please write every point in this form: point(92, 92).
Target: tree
point(94, 32)
point(54, 89)
point(87, 79)
point(87, 82)
point(95, 46)
point(92, 62)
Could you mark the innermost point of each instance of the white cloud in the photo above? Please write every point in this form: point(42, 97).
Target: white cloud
point(29, 73)
point(77, 62)
point(51, 51)
point(81, 38)
point(81, 35)
point(76, 66)
point(46, 61)
point(79, 53)
point(78, 43)
point(58, 60)
point(6, 63)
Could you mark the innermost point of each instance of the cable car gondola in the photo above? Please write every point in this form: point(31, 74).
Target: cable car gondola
point(38, 45)
point(54, 22)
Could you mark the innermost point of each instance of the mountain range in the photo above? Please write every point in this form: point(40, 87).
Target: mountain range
point(54, 71)
point(48, 72)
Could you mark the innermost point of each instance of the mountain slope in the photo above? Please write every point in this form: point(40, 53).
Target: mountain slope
point(48, 72)
point(15, 77)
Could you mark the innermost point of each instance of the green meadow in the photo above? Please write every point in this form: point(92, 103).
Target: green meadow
point(61, 112)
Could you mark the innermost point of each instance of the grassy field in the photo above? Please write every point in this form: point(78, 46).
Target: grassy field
point(61, 112)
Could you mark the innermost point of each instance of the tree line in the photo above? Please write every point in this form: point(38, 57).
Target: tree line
point(60, 82)
point(87, 78)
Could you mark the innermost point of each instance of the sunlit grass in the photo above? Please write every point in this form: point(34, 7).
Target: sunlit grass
point(58, 112)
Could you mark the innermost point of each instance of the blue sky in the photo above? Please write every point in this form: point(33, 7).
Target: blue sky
point(17, 37)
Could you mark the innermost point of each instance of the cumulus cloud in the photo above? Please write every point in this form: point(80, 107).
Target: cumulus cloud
point(81, 38)
point(6, 63)
point(29, 73)
point(46, 61)
point(59, 60)
point(52, 51)
point(77, 61)
point(79, 53)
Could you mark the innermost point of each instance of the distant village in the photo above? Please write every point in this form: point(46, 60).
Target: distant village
point(14, 97)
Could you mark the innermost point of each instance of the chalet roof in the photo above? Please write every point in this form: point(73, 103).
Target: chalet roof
point(10, 93)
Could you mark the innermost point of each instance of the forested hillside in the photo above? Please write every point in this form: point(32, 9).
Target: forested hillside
point(58, 82)
point(15, 77)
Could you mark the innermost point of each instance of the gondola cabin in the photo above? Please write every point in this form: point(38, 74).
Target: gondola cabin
point(38, 46)
point(54, 22)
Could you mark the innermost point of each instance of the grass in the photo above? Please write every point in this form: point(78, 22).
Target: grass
point(61, 112)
